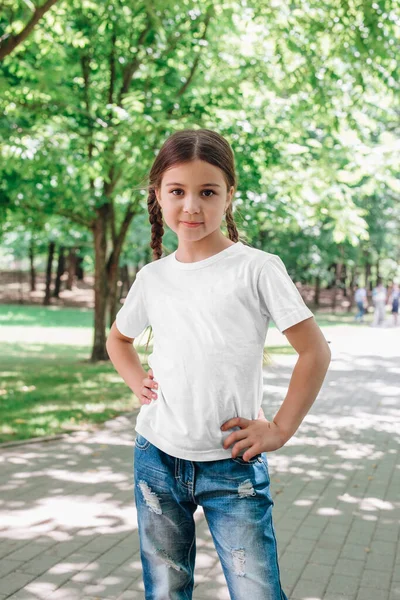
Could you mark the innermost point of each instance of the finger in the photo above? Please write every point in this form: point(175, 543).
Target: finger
point(228, 424)
point(237, 449)
point(150, 383)
point(148, 394)
point(230, 440)
point(246, 457)
point(234, 437)
point(151, 394)
point(245, 444)
point(235, 422)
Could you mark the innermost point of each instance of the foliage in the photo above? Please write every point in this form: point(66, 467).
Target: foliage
point(307, 95)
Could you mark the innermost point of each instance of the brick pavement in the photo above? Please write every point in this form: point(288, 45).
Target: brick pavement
point(68, 527)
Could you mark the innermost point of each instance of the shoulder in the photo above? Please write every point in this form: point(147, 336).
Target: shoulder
point(260, 258)
point(156, 266)
point(265, 266)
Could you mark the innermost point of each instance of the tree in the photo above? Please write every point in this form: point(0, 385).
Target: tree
point(87, 103)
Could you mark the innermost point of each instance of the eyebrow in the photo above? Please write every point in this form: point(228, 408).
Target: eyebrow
point(202, 185)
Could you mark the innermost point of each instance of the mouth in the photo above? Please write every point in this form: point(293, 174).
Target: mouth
point(192, 223)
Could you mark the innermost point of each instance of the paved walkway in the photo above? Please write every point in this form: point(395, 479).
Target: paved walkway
point(68, 526)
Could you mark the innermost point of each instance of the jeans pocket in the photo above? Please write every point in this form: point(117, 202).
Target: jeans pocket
point(240, 460)
point(264, 461)
point(141, 442)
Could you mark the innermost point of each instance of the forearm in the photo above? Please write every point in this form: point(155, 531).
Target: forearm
point(127, 363)
point(306, 381)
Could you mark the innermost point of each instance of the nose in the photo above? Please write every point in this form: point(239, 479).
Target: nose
point(191, 206)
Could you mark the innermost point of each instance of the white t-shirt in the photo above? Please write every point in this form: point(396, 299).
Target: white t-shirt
point(379, 294)
point(210, 319)
point(360, 294)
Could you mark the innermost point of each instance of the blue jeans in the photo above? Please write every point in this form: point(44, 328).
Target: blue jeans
point(361, 310)
point(237, 504)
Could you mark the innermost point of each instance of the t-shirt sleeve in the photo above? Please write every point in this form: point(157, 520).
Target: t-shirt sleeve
point(132, 317)
point(280, 299)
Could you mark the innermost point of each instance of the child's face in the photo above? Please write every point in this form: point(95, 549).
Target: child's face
point(193, 201)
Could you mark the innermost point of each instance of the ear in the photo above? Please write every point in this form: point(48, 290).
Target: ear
point(230, 195)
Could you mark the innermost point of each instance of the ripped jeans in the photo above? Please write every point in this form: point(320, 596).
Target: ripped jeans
point(237, 504)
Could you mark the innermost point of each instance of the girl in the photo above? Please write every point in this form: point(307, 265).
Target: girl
point(209, 304)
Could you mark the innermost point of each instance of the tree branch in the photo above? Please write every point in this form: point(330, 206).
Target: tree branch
point(57, 211)
point(119, 239)
point(112, 69)
point(8, 43)
point(74, 217)
point(184, 87)
point(85, 64)
point(132, 66)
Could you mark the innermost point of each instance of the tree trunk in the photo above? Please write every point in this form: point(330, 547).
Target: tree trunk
point(71, 268)
point(331, 269)
point(368, 285)
point(124, 275)
point(32, 266)
point(113, 272)
point(343, 279)
point(336, 285)
point(60, 271)
point(317, 290)
point(106, 274)
point(46, 300)
point(99, 351)
point(351, 291)
point(20, 276)
point(79, 268)
point(113, 267)
point(378, 275)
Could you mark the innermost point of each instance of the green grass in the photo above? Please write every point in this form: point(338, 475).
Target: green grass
point(54, 389)
point(48, 385)
point(45, 316)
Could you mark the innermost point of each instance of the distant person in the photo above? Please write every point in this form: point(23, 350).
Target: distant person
point(360, 298)
point(394, 298)
point(379, 301)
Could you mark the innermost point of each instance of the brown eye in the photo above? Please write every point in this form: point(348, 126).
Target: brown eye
point(179, 190)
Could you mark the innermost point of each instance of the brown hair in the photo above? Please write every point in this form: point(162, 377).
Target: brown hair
point(185, 146)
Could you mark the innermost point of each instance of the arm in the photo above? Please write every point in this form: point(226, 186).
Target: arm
point(126, 360)
point(307, 376)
